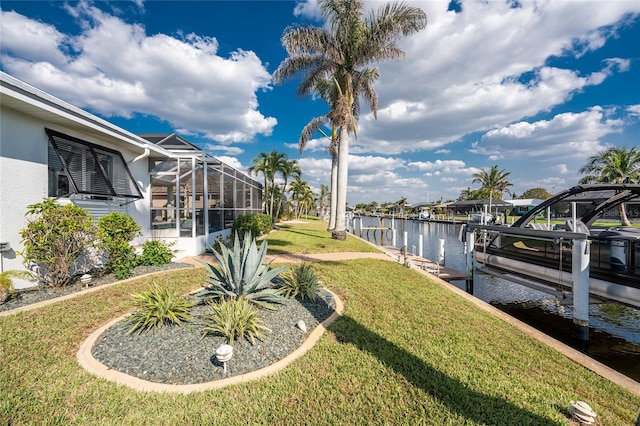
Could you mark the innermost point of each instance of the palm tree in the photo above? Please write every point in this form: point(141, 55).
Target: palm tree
point(306, 201)
point(322, 199)
point(342, 53)
point(276, 163)
point(300, 190)
point(402, 202)
point(494, 181)
point(613, 165)
point(261, 165)
point(327, 91)
point(287, 169)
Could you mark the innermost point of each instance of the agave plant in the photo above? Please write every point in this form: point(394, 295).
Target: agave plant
point(241, 273)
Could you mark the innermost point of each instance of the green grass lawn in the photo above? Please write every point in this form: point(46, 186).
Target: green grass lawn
point(407, 351)
point(310, 236)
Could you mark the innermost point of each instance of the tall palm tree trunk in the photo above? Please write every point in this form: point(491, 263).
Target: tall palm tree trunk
point(340, 231)
point(624, 220)
point(334, 187)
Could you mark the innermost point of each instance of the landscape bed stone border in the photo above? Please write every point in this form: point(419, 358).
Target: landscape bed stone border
point(93, 366)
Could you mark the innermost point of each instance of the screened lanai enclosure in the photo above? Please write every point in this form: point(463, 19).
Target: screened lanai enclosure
point(196, 194)
point(192, 197)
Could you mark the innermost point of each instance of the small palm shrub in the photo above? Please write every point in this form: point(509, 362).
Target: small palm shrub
point(115, 232)
point(300, 281)
point(55, 238)
point(158, 306)
point(241, 273)
point(233, 319)
point(156, 253)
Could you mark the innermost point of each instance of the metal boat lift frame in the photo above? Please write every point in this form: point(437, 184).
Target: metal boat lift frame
point(580, 242)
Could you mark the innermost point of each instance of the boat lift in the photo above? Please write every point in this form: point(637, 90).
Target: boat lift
point(586, 261)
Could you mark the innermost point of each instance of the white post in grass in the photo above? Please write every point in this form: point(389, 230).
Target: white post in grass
point(580, 273)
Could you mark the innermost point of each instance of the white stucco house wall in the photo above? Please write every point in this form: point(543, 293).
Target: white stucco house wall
point(33, 122)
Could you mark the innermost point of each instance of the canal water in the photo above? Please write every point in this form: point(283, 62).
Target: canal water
point(614, 328)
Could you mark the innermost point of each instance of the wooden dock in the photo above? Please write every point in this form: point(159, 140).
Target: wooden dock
point(440, 271)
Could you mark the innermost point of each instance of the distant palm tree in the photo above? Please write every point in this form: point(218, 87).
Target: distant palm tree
point(307, 201)
point(402, 202)
point(322, 199)
point(493, 181)
point(261, 165)
point(613, 165)
point(276, 164)
point(300, 192)
point(343, 53)
point(288, 168)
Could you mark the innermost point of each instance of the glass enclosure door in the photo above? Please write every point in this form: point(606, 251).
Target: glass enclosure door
point(163, 205)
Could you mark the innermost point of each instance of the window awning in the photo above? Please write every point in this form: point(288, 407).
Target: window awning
point(92, 169)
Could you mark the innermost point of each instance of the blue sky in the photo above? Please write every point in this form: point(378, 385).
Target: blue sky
point(532, 87)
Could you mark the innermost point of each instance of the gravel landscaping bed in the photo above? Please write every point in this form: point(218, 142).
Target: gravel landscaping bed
point(29, 296)
point(180, 355)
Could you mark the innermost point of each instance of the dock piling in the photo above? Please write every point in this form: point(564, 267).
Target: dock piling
point(580, 272)
point(469, 244)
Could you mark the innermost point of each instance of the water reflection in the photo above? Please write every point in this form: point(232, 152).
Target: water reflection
point(614, 329)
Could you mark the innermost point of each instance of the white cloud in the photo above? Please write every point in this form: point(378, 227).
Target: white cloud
point(568, 134)
point(487, 67)
point(309, 9)
point(439, 167)
point(560, 168)
point(180, 80)
point(228, 150)
point(233, 162)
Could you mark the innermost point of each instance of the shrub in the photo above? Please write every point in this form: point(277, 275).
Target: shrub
point(246, 224)
point(234, 318)
point(220, 241)
point(115, 232)
point(157, 253)
point(55, 239)
point(264, 222)
point(158, 306)
point(300, 281)
point(7, 291)
point(242, 274)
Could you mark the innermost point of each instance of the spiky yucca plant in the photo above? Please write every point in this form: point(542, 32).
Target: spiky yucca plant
point(300, 281)
point(241, 274)
point(234, 318)
point(158, 306)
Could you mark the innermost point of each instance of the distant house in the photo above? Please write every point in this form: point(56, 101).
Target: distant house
point(478, 206)
point(522, 206)
point(173, 190)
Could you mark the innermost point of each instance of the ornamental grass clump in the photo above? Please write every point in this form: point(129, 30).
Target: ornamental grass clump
point(158, 306)
point(233, 319)
point(300, 281)
point(242, 274)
